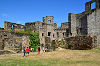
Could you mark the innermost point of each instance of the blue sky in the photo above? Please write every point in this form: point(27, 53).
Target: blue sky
point(22, 11)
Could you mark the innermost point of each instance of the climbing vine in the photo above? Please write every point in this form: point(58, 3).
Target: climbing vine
point(34, 40)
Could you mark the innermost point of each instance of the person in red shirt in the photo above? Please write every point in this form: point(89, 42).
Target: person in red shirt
point(38, 49)
point(27, 51)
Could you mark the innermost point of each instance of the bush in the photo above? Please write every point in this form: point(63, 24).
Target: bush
point(80, 42)
point(66, 46)
point(34, 40)
point(70, 46)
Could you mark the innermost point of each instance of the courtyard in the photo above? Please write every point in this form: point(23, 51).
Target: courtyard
point(60, 57)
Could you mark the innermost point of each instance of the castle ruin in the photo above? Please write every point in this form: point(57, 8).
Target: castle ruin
point(85, 23)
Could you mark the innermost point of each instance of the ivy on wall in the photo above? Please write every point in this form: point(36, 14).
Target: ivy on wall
point(33, 36)
point(34, 39)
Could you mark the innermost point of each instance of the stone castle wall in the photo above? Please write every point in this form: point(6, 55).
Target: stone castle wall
point(87, 22)
point(13, 26)
point(93, 21)
point(48, 29)
point(13, 41)
point(73, 24)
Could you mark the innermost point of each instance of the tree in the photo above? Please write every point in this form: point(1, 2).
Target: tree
point(34, 40)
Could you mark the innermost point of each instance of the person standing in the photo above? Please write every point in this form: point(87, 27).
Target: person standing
point(43, 49)
point(33, 50)
point(24, 51)
point(39, 50)
point(27, 51)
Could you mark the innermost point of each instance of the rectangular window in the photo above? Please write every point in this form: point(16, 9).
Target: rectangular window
point(63, 35)
point(57, 34)
point(42, 34)
point(49, 33)
point(53, 35)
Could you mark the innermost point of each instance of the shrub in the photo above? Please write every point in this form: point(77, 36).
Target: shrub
point(80, 42)
point(34, 40)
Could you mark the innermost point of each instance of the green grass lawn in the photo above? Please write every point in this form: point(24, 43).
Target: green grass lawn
point(56, 58)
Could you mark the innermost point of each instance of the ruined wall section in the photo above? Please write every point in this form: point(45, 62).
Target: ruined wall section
point(73, 24)
point(60, 32)
point(7, 25)
point(63, 31)
point(43, 28)
point(48, 19)
point(94, 25)
point(88, 5)
point(13, 26)
point(65, 25)
point(30, 26)
point(82, 27)
point(13, 41)
point(97, 4)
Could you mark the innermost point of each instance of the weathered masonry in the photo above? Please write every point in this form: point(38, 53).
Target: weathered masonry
point(13, 26)
point(87, 22)
point(47, 29)
point(13, 41)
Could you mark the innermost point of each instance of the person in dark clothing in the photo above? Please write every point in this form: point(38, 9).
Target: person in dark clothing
point(24, 51)
point(39, 50)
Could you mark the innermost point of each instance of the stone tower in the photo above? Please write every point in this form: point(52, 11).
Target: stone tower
point(48, 19)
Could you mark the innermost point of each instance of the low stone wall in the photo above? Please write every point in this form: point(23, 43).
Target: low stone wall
point(80, 42)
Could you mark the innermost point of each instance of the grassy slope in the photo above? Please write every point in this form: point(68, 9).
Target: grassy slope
point(56, 58)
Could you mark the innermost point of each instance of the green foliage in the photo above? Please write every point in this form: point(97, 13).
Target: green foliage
point(34, 40)
point(70, 45)
point(33, 36)
point(61, 43)
point(66, 46)
point(26, 30)
point(90, 11)
point(20, 33)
